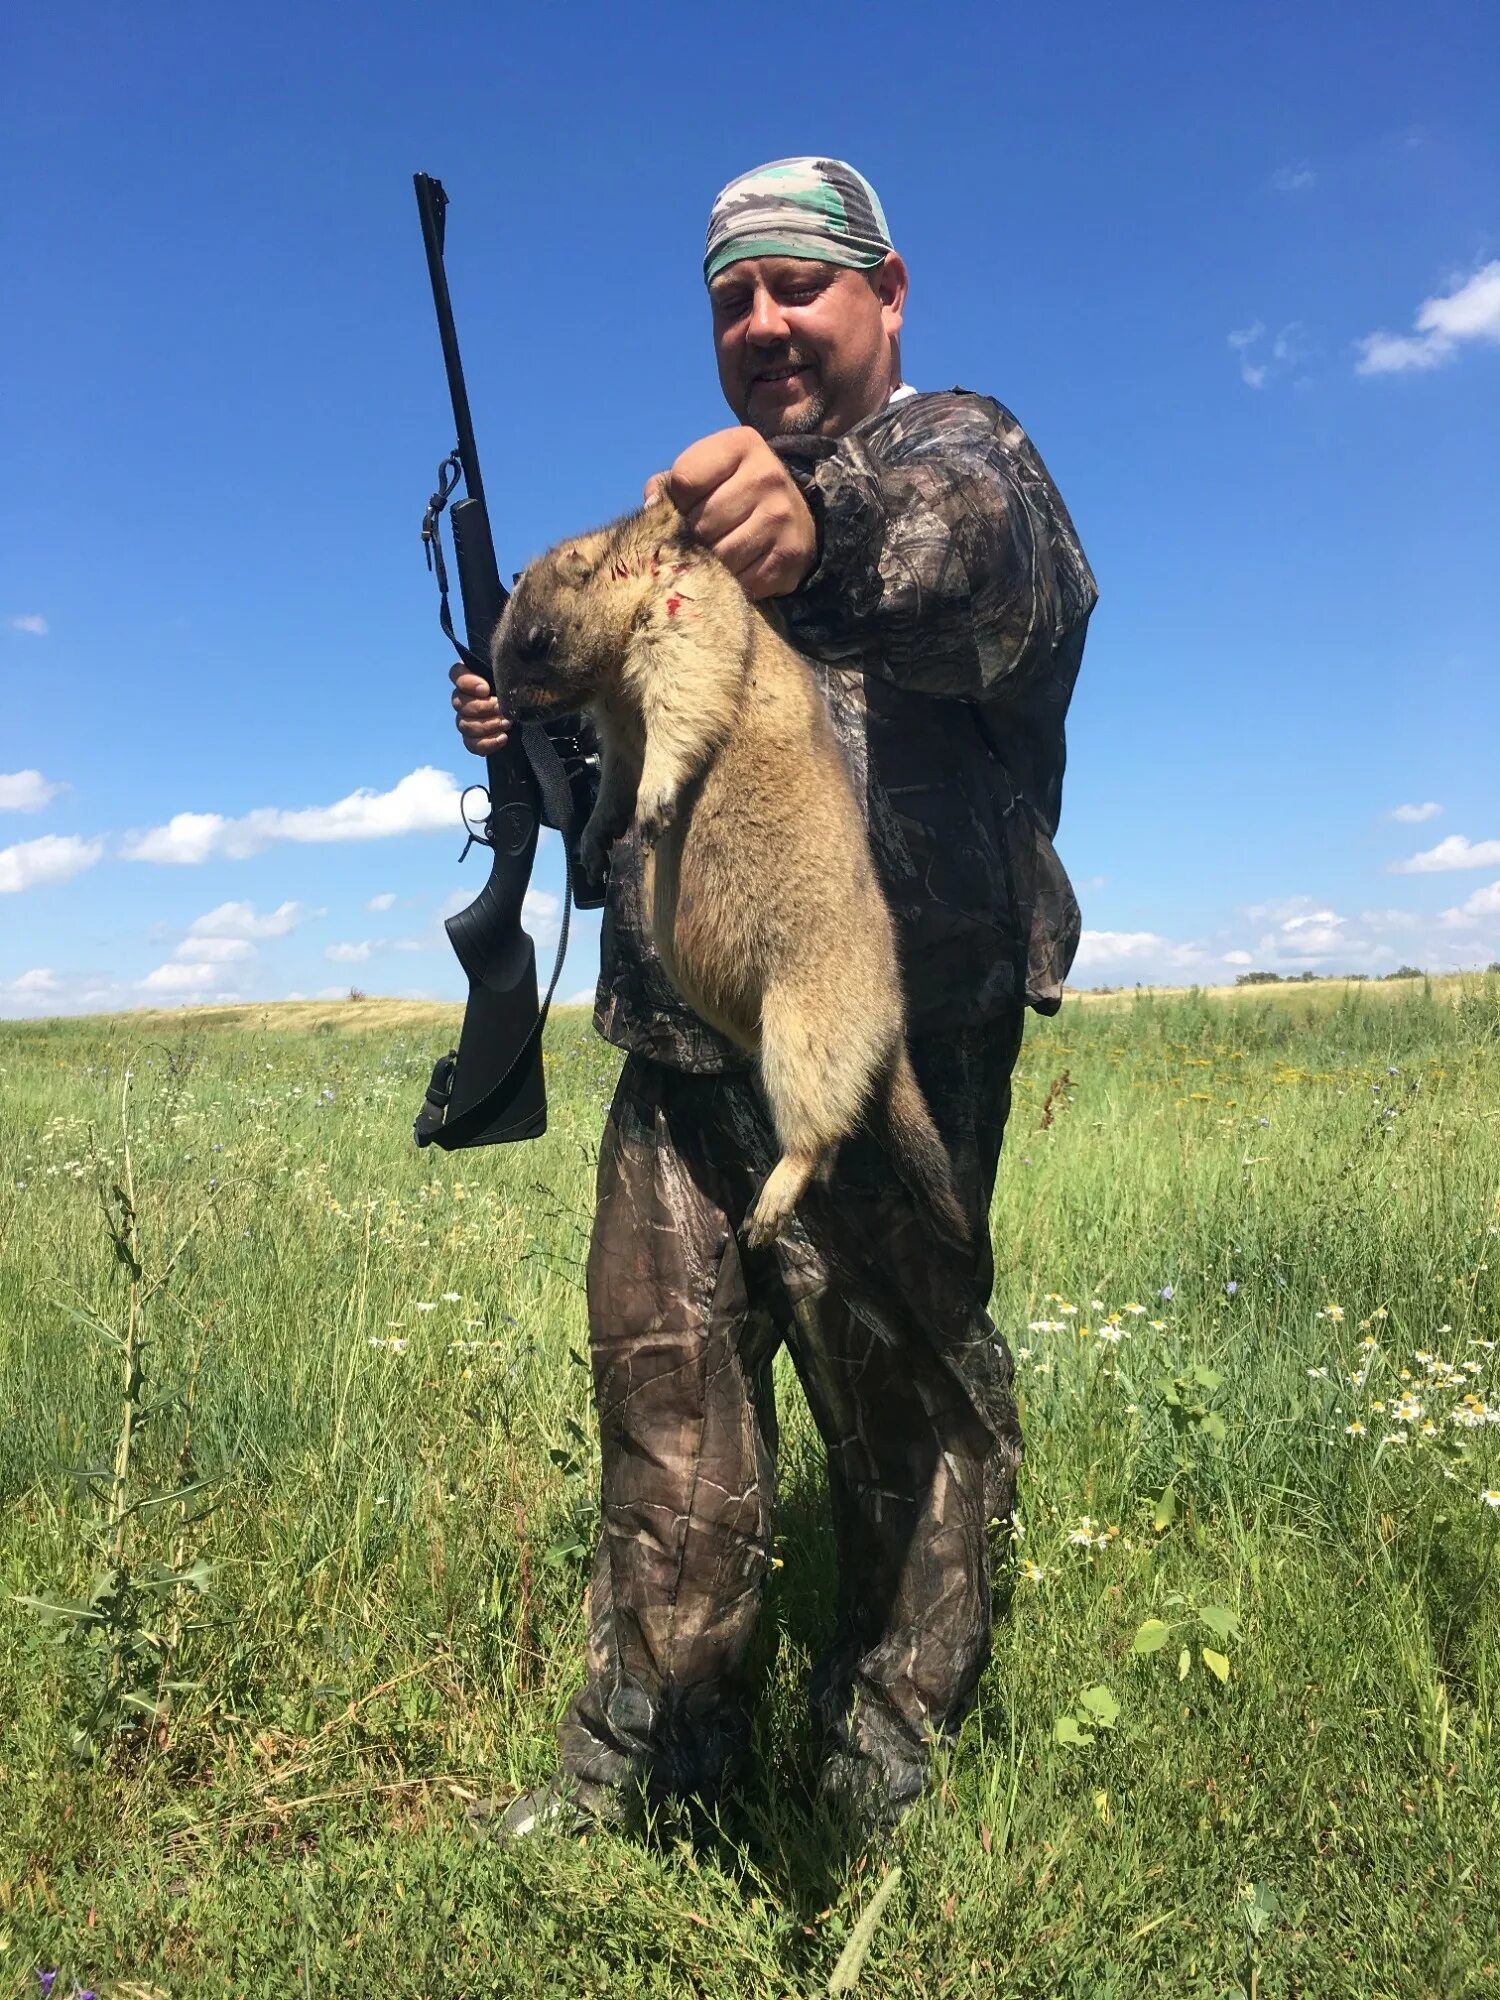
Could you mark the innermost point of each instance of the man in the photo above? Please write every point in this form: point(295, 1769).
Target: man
point(922, 559)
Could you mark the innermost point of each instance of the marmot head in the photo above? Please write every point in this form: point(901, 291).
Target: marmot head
point(566, 630)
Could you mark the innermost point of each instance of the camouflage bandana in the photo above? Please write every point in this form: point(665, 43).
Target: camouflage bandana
point(819, 209)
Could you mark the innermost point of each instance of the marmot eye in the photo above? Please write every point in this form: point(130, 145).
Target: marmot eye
point(535, 643)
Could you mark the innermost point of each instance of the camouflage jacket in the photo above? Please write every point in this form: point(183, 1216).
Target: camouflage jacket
point(946, 620)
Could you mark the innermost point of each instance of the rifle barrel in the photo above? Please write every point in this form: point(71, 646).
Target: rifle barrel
point(432, 201)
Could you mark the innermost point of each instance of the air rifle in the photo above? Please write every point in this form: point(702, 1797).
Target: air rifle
point(489, 1089)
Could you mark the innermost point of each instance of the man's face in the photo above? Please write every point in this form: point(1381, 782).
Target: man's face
point(806, 348)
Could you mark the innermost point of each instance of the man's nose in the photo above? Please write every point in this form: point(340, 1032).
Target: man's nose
point(767, 325)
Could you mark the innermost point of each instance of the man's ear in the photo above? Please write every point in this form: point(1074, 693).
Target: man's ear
point(889, 280)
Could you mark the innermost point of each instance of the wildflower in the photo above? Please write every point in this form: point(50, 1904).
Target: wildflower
point(1231, 1286)
point(1332, 1311)
point(1397, 1437)
point(1064, 1307)
point(1134, 1308)
point(1157, 1325)
point(451, 1298)
point(1167, 1293)
point(1114, 1333)
point(1429, 1429)
point(1318, 1374)
point(327, 1096)
point(1369, 1343)
point(1034, 1573)
point(1356, 1429)
point(1407, 1410)
point(1491, 1497)
point(1262, 1121)
point(46, 1980)
point(425, 1305)
point(1083, 1535)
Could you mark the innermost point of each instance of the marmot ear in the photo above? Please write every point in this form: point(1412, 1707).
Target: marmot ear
point(574, 567)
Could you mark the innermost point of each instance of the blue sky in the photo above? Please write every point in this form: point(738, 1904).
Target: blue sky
point(1239, 277)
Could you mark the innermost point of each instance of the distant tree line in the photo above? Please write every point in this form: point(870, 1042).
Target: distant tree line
point(1309, 978)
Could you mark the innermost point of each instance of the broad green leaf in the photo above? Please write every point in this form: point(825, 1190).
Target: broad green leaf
point(1207, 1378)
point(1184, 1663)
point(1216, 1663)
point(1152, 1636)
point(1166, 1510)
point(1101, 1704)
point(1219, 1619)
point(564, 1550)
point(1066, 1730)
point(1213, 1426)
point(62, 1607)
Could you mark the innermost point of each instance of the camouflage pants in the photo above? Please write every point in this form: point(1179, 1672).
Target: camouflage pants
point(908, 1382)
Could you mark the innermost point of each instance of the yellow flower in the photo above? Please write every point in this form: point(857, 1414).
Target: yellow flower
point(1356, 1429)
point(1033, 1572)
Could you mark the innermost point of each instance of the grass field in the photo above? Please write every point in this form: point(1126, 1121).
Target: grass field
point(297, 1433)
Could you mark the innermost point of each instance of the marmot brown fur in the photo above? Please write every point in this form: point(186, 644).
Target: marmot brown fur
point(759, 888)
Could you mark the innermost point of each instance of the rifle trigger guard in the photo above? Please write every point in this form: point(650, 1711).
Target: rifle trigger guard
point(478, 835)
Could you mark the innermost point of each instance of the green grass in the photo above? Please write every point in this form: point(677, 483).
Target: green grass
point(390, 1618)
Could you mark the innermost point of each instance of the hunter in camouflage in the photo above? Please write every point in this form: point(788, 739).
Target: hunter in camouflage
point(942, 595)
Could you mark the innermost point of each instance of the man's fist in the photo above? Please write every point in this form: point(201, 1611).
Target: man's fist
point(480, 722)
point(741, 503)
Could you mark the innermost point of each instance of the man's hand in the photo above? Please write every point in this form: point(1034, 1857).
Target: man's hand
point(741, 503)
point(480, 722)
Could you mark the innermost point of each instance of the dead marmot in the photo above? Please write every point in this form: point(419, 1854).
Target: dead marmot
point(762, 898)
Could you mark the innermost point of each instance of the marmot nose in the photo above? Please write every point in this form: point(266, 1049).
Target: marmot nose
point(535, 643)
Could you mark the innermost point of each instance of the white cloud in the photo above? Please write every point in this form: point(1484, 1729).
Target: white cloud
point(1284, 350)
point(1097, 949)
point(32, 622)
point(1474, 909)
point(53, 858)
point(385, 901)
point(1241, 341)
point(1295, 179)
point(26, 791)
point(174, 978)
point(583, 998)
point(1457, 851)
point(1238, 958)
point(539, 913)
point(241, 920)
point(1414, 815)
point(40, 982)
point(424, 801)
point(186, 839)
point(1470, 311)
point(349, 954)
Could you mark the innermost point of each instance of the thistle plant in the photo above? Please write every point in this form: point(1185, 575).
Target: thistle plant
point(128, 1632)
